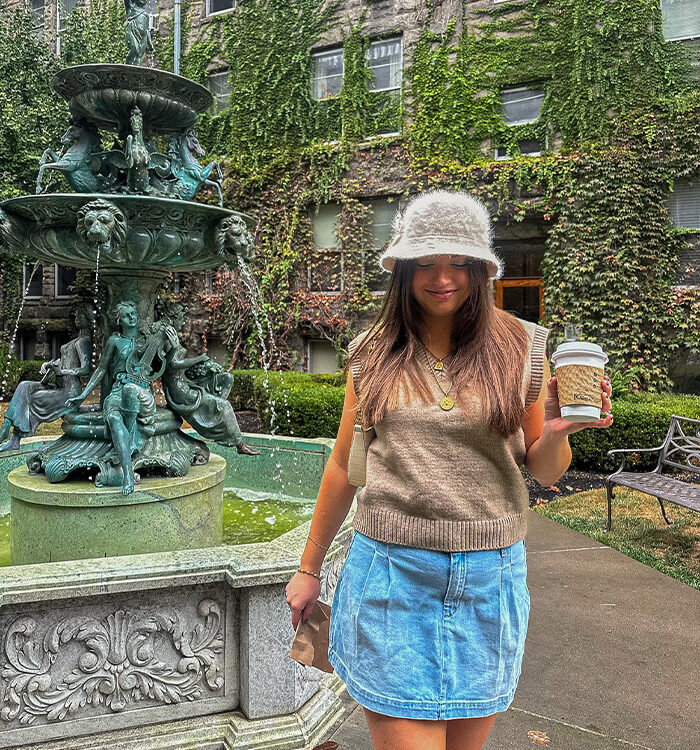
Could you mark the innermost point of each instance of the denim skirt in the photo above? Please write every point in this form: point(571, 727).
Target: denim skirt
point(427, 634)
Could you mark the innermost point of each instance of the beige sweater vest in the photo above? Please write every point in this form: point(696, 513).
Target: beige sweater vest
point(442, 479)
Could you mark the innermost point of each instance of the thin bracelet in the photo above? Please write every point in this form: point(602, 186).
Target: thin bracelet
point(310, 572)
point(316, 543)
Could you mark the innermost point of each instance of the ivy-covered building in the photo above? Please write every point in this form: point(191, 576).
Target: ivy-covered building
point(576, 121)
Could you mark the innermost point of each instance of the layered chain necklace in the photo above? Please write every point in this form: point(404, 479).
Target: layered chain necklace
point(438, 369)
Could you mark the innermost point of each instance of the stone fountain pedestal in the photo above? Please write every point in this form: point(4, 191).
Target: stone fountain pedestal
point(163, 513)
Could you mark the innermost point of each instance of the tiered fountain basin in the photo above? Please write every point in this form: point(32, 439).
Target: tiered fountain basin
point(185, 648)
point(158, 235)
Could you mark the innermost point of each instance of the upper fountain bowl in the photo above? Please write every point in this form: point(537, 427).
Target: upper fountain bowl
point(106, 94)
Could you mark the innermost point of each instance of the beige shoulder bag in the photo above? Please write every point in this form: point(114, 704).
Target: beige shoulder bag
point(361, 436)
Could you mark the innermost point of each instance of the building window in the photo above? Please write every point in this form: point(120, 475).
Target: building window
point(527, 146)
point(325, 271)
point(327, 73)
point(38, 9)
point(220, 88)
point(321, 356)
point(211, 287)
point(63, 278)
point(35, 288)
point(684, 204)
point(26, 345)
point(383, 213)
point(152, 8)
point(385, 61)
point(521, 105)
point(680, 19)
point(219, 6)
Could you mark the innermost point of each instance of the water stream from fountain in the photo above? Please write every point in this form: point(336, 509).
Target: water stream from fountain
point(11, 347)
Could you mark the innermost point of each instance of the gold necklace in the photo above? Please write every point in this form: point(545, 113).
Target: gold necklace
point(446, 403)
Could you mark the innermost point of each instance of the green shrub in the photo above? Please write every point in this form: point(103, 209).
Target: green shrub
point(16, 370)
point(641, 421)
point(315, 405)
point(305, 404)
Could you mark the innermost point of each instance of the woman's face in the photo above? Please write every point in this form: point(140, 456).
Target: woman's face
point(441, 283)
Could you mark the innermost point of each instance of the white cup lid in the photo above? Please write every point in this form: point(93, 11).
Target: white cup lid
point(578, 347)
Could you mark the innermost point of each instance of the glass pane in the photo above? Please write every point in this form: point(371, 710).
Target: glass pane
point(326, 224)
point(35, 286)
point(27, 346)
point(67, 6)
point(385, 61)
point(220, 87)
point(37, 7)
point(327, 74)
point(684, 204)
point(382, 219)
point(64, 278)
point(522, 106)
point(681, 18)
point(523, 301)
point(522, 259)
point(529, 146)
point(322, 357)
point(216, 6)
point(325, 271)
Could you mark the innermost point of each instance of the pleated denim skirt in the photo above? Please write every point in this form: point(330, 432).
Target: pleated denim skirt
point(426, 634)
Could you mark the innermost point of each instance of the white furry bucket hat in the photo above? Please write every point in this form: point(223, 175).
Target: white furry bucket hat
point(440, 222)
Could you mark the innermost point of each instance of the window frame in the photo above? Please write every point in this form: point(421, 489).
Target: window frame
point(24, 281)
point(675, 38)
point(56, 295)
point(320, 53)
point(208, 12)
point(381, 40)
point(669, 202)
point(534, 153)
point(510, 89)
point(223, 71)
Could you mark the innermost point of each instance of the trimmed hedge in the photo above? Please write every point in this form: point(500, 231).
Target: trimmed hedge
point(315, 405)
point(641, 421)
point(17, 370)
point(305, 404)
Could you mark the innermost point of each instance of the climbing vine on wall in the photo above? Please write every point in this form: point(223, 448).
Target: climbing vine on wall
point(619, 108)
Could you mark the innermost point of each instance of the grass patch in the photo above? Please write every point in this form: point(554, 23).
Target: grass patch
point(638, 529)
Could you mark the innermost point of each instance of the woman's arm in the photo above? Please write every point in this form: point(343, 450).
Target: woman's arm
point(547, 434)
point(336, 493)
point(184, 364)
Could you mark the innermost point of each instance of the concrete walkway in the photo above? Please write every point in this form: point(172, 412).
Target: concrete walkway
point(612, 657)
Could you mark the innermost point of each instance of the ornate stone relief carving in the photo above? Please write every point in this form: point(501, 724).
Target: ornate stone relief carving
point(119, 665)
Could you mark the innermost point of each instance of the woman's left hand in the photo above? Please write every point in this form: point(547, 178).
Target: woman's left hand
point(552, 413)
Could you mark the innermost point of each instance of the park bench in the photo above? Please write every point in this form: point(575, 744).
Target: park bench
point(680, 449)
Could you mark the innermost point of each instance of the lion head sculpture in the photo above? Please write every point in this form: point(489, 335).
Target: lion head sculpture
point(101, 223)
point(232, 237)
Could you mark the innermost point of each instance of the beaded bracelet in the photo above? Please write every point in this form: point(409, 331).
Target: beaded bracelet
point(310, 572)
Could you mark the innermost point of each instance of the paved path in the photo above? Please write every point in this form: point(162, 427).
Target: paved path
point(612, 657)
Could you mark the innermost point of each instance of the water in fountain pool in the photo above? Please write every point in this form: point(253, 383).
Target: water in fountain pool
point(249, 517)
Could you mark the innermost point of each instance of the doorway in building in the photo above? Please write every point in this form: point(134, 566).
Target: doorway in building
point(520, 290)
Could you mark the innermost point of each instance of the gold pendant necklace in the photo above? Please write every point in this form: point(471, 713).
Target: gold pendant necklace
point(446, 403)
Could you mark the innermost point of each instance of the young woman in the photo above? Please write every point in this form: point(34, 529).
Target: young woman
point(430, 611)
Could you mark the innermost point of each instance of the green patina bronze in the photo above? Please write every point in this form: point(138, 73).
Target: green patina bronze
point(131, 216)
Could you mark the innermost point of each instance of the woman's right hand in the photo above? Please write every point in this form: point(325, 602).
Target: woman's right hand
point(301, 594)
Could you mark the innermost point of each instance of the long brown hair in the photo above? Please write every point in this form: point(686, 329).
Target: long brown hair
point(490, 349)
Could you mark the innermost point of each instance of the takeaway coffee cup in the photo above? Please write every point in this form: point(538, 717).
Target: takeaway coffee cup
point(579, 367)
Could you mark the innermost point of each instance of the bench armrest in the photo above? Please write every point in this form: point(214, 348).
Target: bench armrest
point(624, 451)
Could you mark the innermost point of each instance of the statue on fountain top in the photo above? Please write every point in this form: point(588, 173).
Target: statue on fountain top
point(138, 35)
